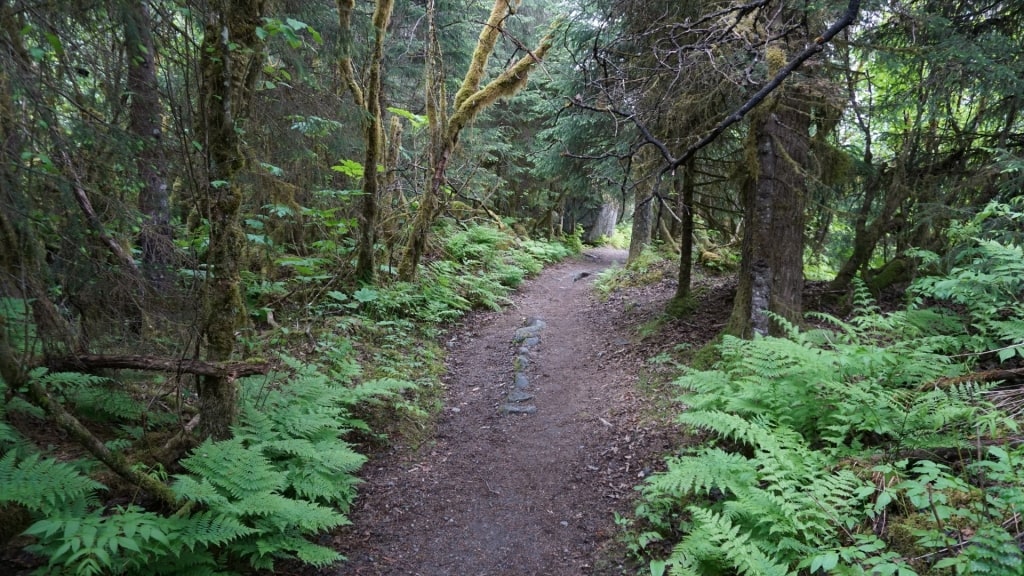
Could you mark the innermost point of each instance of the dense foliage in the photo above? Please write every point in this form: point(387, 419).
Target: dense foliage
point(231, 230)
point(865, 446)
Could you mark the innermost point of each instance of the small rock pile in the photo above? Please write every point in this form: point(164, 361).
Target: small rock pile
point(527, 339)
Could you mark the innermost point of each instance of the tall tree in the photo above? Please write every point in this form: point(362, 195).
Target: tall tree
point(771, 269)
point(470, 100)
point(232, 60)
point(369, 101)
point(145, 123)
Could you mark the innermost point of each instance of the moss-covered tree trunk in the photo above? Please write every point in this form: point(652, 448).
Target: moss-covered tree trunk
point(682, 302)
point(145, 124)
point(643, 213)
point(470, 100)
point(771, 271)
point(369, 100)
point(231, 62)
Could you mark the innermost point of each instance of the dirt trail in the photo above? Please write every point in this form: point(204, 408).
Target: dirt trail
point(516, 494)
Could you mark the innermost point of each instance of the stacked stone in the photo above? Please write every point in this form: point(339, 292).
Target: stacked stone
point(526, 340)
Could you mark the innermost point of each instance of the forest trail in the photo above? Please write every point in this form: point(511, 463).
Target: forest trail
point(517, 494)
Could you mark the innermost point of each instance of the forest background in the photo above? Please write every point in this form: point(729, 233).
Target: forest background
point(230, 232)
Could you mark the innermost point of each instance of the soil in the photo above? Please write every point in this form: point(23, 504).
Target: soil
point(532, 494)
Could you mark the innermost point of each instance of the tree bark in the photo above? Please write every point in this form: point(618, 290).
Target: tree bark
point(643, 213)
point(681, 300)
point(374, 136)
point(771, 270)
point(231, 61)
point(145, 124)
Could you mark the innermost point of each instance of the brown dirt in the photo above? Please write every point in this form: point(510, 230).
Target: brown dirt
point(531, 494)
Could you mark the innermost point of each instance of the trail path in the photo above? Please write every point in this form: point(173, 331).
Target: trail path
point(516, 494)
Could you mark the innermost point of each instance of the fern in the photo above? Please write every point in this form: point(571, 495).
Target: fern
point(233, 468)
point(256, 498)
point(44, 484)
point(789, 417)
point(714, 538)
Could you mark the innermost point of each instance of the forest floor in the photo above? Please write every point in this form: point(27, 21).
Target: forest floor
point(534, 494)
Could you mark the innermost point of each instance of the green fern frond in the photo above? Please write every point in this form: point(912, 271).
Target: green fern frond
point(729, 426)
point(198, 489)
point(209, 528)
point(734, 547)
point(263, 551)
point(315, 555)
point(231, 466)
point(44, 484)
point(711, 469)
point(276, 512)
point(107, 402)
point(63, 382)
point(327, 487)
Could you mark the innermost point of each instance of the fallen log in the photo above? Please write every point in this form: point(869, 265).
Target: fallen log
point(230, 370)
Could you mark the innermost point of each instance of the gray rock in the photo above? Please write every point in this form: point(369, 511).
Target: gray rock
point(518, 409)
point(534, 321)
point(531, 341)
point(521, 381)
point(520, 363)
point(519, 396)
point(532, 328)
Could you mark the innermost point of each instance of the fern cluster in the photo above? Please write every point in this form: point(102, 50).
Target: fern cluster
point(252, 500)
point(805, 468)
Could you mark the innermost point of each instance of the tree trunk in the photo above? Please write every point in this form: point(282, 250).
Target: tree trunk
point(470, 100)
point(373, 130)
point(642, 216)
point(231, 62)
point(771, 270)
point(867, 235)
point(144, 123)
point(681, 301)
point(604, 223)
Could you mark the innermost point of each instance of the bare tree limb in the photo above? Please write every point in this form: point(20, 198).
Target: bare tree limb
point(230, 370)
point(817, 46)
point(672, 163)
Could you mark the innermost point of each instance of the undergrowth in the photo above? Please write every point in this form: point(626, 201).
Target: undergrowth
point(358, 363)
point(650, 267)
point(246, 502)
point(867, 447)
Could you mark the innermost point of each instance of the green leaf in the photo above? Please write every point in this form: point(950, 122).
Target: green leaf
point(1007, 354)
point(339, 296)
point(349, 168)
point(365, 295)
point(825, 562)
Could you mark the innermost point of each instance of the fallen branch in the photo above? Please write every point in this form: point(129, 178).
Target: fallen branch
point(1011, 374)
point(16, 378)
point(230, 370)
point(949, 455)
point(115, 461)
